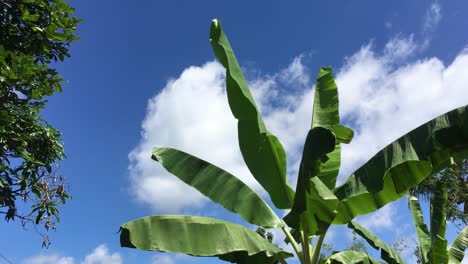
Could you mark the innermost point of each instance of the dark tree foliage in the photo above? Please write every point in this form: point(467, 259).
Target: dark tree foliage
point(33, 34)
point(326, 252)
point(419, 257)
point(268, 236)
point(357, 244)
point(456, 180)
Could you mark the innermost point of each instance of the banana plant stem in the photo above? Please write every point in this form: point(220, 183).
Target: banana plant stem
point(305, 240)
point(291, 239)
point(318, 247)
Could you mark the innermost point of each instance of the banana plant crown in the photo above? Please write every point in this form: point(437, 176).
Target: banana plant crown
point(316, 203)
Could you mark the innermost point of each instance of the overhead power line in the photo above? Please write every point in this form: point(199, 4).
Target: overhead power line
point(7, 260)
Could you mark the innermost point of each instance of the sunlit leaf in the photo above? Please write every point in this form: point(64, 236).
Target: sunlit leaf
point(218, 185)
point(262, 151)
point(421, 228)
point(404, 163)
point(199, 236)
point(351, 257)
point(456, 251)
point(326, 114)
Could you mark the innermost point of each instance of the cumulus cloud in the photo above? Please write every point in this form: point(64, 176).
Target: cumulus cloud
point(383, 94)
point(49, 259)
point(191, 114)
point(100, 255)
point(381, 219)
point(382, 102)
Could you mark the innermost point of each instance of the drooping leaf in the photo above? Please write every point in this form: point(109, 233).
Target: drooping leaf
point(386, 252)
point(438, 252)
point(320, 207)
point(263, 153)
point(421, 229)
point(218, 185)
point(325, 114)
point(343, 134)
point(404, 163)
point(320, 160)
point(351, 257)
point(319, 142)
point(199, 236)
point(456, 251)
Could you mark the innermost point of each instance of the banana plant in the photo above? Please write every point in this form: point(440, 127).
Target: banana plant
point(316, 202)
point(432, 243)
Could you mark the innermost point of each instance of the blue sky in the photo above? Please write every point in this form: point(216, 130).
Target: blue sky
point(143, 74)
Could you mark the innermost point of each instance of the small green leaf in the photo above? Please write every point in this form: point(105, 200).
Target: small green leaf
point(39, 216)
point(343, 134)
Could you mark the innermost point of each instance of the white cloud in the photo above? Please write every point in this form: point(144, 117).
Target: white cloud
point(399, 48)
point(382, 102)
point(384, 218)
point(163, 259)
point(101, 255)
point(383, 94)
point(191, 114)
point(465, 259)
point(295, 73)
point(432, 17)
point(388, 25)
point(431, 21)
point(49, 259)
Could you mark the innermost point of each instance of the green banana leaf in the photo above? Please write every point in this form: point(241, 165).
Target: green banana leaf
point(325, 114)
point(262, 151)
point(319, 142)
point(438, 253)
point(351, 257)
point(219, 185)
point(343, 134)
point(386, 252)
point(404, 163)
point(456, 251)
point(422, 231)
point(321, 159)
point(320, 208)
point(199, 236)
